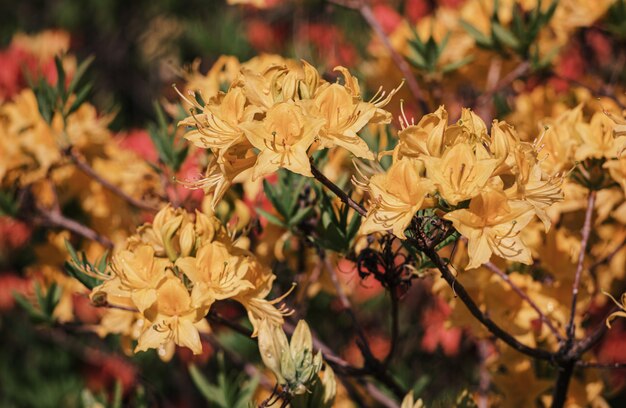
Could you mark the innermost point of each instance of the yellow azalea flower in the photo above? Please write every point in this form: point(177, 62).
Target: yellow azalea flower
point(253, 298)
point(560, 141)
point(222, 73)
point(222, 172)
point(172, 317)
point(409, 401)
point(423, 138)
point(492, 224)
point(344, 118)
point(503, 140)
point(540, 190)
point(617, 170)
point(462, 171)
point(218, 127)
point(598, 139)
point(622, 309)
point(283, 139)
point(395, 197)
point(140, 272)
point(162, 233)
point(215, 273)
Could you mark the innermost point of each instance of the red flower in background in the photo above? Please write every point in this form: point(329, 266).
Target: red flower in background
point(14, 234)
point(387, 17)
point(329, 42)
point(18, 65)
point(265, 37)
point(415, 10)
point(436, 334)
point(10, 284)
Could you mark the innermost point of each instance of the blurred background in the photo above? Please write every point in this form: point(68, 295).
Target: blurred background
point(141, 46)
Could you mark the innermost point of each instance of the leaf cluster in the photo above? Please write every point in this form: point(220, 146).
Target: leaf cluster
point(230, 391)
point(296, 200)
point(171, 151)
point(425, 55)
point(42, 309)
point(62, 98)
point(519, 38)
point(81, 269)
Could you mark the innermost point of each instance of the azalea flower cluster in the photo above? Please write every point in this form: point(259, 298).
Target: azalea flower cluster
point(169, 274)
point(490, 186)
point(276, 116)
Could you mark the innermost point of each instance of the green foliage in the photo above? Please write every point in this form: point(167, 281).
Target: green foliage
point(230, 391)
point(85, 272)
point(337, 229)
point(172, 152)
point(287, 197)
point(42, 310)
point(615, 21)
point(520, 36)
point(425, 55)
point(62, 98)
point(8, 203)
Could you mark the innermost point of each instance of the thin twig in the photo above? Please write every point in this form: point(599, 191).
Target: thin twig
point(364, 8)
point(88, 170)
point(338, 192)
point(395, 326)
point(586, 364)
point(343, 298)
point(597, 92)
point(606, 259)
point(451, 280)
point(492, 267)
point(489, 324)
point(507, 80)
point(57, 220)
point(586, 231)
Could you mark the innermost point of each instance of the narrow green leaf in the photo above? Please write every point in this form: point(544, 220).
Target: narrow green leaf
point(505, 36)
point(481, 39)
point(272, 218)
point(80, 71)
point(60, 77)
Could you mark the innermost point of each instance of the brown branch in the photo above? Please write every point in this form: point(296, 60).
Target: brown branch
point(57, 220)
point(586, 231)
point(492, 267)
point(449, 277)
point(566, 367)
point(605, 260)
point(338, 192)
point(597, 92)
point(483, 318)
point(507, 80)
point(395, 326)
point(586, 364)
point(88, 170)
point(363, 7)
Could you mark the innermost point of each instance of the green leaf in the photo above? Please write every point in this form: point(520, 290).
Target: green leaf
point(505, 36)
point(60, 77)
point(80, 71)
point(481, 39)
point(300, 215)
point(8, 204)
point(209, 391)
point(453, 66)
point(272, 218)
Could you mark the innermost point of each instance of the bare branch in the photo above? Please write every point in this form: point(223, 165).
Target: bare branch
point(492, 267)
point(364, 8)
point(338, 192)
point(88, 170)
point(586, 231)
